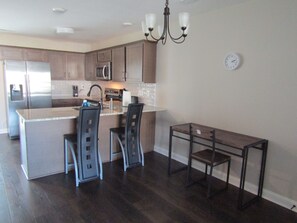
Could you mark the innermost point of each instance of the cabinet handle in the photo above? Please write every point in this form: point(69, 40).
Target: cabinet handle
point(123, 77)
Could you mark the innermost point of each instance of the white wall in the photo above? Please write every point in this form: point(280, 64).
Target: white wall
point(258, 99)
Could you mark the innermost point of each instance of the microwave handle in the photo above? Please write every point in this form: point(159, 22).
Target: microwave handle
point(103, 72)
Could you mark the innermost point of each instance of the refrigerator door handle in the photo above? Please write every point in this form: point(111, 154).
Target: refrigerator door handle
point(28, 91)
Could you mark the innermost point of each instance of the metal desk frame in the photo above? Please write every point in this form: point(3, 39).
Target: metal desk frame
point(238, 142)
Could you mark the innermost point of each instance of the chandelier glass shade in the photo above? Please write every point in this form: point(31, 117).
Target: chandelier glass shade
point(150, 22)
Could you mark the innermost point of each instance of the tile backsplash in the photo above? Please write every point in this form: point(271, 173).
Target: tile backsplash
point(145, 92)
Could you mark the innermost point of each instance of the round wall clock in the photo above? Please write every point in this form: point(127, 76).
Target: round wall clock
point(232, 61)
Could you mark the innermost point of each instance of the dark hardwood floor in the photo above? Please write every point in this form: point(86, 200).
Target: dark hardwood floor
point(143, 194)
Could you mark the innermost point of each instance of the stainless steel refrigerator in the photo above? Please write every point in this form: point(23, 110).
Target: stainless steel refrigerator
point(27, 85)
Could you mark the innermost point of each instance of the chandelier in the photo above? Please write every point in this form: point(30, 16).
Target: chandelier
point(150, 20)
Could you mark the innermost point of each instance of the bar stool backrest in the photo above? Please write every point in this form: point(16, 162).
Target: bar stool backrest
point(132, 133)
point(87, 143)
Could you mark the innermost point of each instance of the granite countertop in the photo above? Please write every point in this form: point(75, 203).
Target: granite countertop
point(47, 114)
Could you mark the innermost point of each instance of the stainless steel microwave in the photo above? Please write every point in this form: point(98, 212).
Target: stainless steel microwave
point(103, 71)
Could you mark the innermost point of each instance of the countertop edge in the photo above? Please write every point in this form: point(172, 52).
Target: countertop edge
point(62, 113)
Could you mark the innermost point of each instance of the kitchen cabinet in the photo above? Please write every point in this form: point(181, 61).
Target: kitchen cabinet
point(11, 53)
point(67, 66)
point(134, 63)
point(118, 64)
point(16, 53)
point(75, 65)
point(91, 61)
point(36, 55)
point(67, 102)
point(57, 62)
point(104, 55)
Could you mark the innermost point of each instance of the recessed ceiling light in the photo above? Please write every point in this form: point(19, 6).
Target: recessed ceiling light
point(127, 23)
point(59, 10)
point(64, 30)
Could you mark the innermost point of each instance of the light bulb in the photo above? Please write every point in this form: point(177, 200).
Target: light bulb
point(150, 20)
point(184, 18)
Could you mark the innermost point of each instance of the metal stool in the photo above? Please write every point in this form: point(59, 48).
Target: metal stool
point(84, 147)
point(129, 138)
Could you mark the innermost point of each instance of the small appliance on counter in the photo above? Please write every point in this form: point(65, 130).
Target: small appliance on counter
point(115, 94)
point(126, 100)
point(120, 95)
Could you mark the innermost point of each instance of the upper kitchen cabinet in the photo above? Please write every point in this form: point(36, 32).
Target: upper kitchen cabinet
point(16, 53)
point(135, 62)
point(118, 64)
point(67, 66)
point(57, 62)
point(91, 61)
point(36, 55)
point(11, 53)
point(104, 55)
point(75, 64)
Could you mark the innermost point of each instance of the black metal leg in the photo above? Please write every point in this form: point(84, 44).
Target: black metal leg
point(242, 177)
point(209, 182)
point(262, 171)
point(228, 171)
point(205, 172)
point(170, 151)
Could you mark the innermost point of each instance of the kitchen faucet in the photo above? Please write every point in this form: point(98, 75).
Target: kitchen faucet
point(101, 93)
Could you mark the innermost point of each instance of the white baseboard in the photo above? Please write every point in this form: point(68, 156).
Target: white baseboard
point(267, 194)
point(3, 131)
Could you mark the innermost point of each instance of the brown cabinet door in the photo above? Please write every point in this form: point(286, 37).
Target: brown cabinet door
point(134, 62)
point(91, 61)
point(149, 62)
point(11, 53)
point(104, 55)
point(75, 66)
point(36, 55)
point(57, 62)
point(118, 64)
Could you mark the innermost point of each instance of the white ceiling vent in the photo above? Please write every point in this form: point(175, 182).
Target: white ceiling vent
point(64, 30)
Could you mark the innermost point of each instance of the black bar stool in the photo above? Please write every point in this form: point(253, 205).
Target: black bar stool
point(129, 138)
point(84, 147)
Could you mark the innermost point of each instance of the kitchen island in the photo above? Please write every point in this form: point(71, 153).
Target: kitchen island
point(42, 130)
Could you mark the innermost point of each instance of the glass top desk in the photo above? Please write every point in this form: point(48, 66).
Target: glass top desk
point(228, 142)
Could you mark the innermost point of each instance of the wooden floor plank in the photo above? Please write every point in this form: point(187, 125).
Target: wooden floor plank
point(142, 194)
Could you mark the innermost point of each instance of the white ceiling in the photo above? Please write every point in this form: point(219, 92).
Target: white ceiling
point(92, 20)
